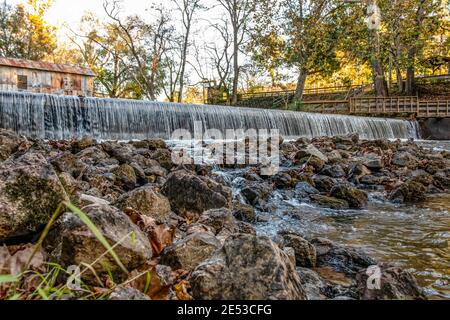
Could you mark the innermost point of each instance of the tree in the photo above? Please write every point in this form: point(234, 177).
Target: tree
point(147, 43)
point(107, 55)
point(307, 35)
point(24, 33)
point(187, 9)
point(239, 13)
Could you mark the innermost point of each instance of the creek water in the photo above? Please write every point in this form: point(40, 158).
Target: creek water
point(414, 237)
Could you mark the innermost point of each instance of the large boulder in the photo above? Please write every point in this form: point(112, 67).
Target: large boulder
point(126, 177)
point(256, 193)
point(148, 201)
point(221, 221)
point(395, 284)
point(190, 193)
point(330, 202)
point(189, 252)
point(305, 252)
point(349, 261)
point(357, 199)
point(11, 143)
point(247, 268)
point(409, 192)
point(404, 159)
point(311, 151)
point(324, 183)
point(30, 193)
point(304, 190)
point(73, 243)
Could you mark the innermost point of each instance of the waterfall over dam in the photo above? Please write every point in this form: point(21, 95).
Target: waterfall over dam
point(65, 117)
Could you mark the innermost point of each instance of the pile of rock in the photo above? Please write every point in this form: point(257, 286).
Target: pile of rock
point(181, 224)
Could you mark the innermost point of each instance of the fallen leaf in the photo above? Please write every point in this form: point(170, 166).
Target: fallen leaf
point(160, 236)
point(181, 291)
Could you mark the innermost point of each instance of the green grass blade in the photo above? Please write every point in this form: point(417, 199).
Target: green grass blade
point(97, 233)
point(8, 278)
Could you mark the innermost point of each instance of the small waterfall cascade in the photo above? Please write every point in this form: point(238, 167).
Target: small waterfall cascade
point(65, 117)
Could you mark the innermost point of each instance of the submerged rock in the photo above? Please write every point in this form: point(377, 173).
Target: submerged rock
point(30, 193)
point(72, 242)
point(247, 268)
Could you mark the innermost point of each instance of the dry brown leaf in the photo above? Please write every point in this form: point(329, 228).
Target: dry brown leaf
point(15, 263)
point(150, 282)
point(160, 236)
point(181, 291)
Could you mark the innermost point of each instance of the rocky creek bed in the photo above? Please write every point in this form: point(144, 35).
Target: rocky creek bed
point(208, 232)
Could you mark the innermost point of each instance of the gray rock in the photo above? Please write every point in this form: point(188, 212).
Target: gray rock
point(72, 242)
point(256, 193)
point(324, 183)
point(190, 193)
point(221, 220)
point(30, 193)
point(148, 201)
point(404, 159)
point(122, 293)
point(189, 252)
point(395, 284)
point(126, 177)
point(305, 252)
point(247, 268)
point(357, 199)
point(341, 259)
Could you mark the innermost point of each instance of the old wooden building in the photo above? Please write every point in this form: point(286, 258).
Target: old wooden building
point(45, 77)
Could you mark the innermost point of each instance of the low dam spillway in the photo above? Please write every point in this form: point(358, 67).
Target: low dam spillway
point(63, 117)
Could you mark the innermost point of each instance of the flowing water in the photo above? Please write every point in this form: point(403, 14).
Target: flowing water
point(415, 237)
point(61, 117)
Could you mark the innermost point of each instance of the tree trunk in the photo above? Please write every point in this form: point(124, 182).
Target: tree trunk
point(398, 74)
point(379, 80)
point(301, 81)
point(448, 67)
point(234, 94)
point(410, 74)
point(183, 63)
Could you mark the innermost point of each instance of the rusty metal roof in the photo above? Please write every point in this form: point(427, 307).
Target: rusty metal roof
point(46, 66)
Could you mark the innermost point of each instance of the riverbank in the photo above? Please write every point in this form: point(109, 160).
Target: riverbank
point(200, 231)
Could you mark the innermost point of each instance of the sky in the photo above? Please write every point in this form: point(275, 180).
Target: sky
point(70, 12)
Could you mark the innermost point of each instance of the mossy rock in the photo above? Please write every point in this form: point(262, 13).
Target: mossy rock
point(30, 193)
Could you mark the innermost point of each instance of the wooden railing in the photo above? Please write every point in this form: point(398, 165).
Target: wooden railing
point(383, 105)
point(397, 106)
point(322, 90)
